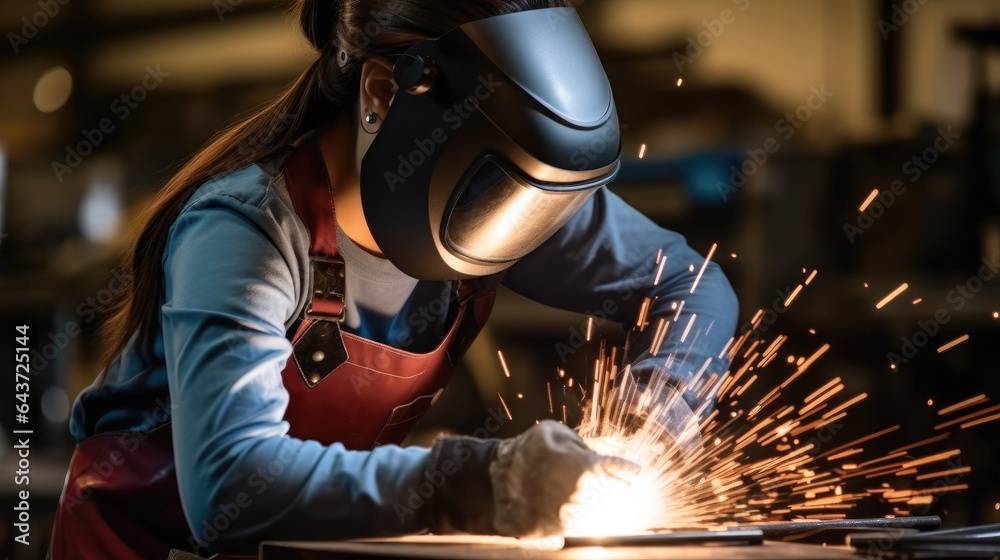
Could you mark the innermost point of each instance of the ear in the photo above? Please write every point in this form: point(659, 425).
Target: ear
point(377, 86)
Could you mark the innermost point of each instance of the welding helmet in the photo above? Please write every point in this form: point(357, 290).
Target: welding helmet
point(500, 131)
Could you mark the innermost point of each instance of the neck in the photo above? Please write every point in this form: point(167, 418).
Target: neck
point(338, 145)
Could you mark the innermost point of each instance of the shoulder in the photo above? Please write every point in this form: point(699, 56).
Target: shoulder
point(238, 232)
point(255, 193)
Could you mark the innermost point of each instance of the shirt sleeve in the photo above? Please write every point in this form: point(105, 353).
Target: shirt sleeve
point(228, 293)
point(603, 263)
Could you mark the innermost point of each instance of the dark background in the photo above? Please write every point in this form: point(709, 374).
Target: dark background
point(899, 73)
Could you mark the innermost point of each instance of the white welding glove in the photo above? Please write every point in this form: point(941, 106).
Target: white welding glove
point(537, 472)
point(513, 487)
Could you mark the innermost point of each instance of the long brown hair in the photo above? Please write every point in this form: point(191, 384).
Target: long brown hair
point(359, 28)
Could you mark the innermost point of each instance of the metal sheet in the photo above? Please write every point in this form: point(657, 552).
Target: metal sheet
point(466, 548)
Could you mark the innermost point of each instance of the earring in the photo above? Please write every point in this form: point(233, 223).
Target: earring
point(371, 118)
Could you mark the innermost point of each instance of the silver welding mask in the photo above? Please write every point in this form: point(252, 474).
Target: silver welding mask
point(501, 130)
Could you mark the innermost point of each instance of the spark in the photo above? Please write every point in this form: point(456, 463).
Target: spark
point(680, 81)
point(704, 265)
point(960, 405)
point(996, 314)
point(811, 276)
point(590, 328)
point(868, 201)
point(687, 329)
point(734, 256)
point(980, 421)
point(659, 272)
point(902, 288)
point(503, 363)
point(760, 462)
point(949, 345)
point(969, 416)
point(918, 300)
point(505, 409)
point(642, 151)
point(791, 296)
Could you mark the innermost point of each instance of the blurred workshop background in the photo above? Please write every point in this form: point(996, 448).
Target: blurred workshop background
point(761, 125)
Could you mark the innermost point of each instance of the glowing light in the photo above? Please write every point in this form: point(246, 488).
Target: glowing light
point(659, 272)
point(902, 288)
point(503, 363)
point(760, 461)
point(996, 314)
point(704, 265)
point(949, 345)
point(734, 256)
point(868, 201)
point(642, 151)
point(505, 409)
point(53, 89)
point(791, 296)
point(963, 404)
point(615, 504)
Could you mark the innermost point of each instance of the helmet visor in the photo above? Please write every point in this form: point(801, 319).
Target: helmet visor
point(498, 215)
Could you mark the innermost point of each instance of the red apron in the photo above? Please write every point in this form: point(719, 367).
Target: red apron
point(121, 499)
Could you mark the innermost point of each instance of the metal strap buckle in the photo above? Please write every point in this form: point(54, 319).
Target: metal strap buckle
point(328, 288)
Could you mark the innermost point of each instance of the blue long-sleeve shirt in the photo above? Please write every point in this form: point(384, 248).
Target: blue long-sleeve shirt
point(235, 266)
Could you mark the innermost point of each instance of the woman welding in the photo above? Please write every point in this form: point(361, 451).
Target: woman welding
point(264, 363)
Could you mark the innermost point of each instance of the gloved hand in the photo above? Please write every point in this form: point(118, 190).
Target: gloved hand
point(536, 473)
point(513, 487)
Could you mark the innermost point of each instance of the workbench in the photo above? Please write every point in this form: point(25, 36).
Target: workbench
point(489, 548)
